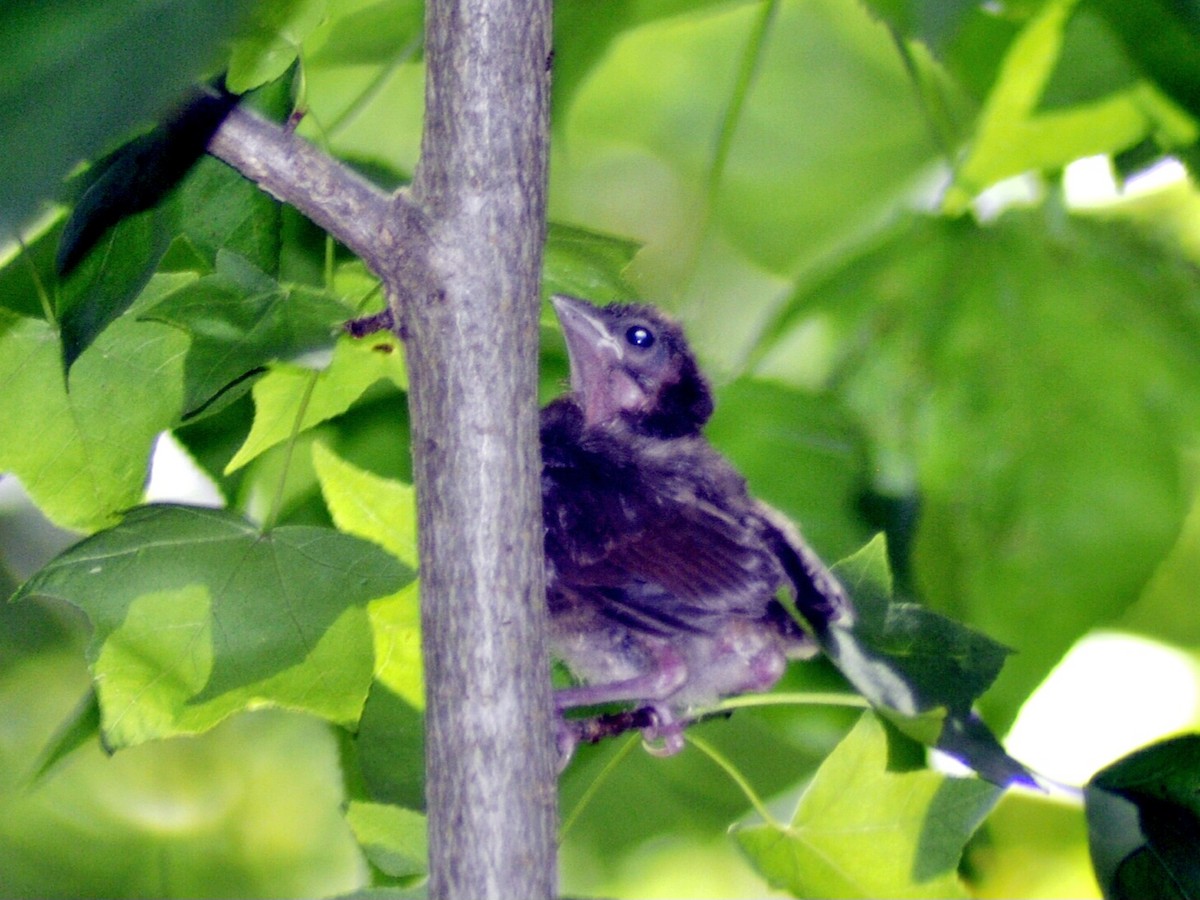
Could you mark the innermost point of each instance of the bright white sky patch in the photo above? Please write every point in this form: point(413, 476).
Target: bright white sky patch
point(175, 477)
point(1092, 182)
point(1111, 694)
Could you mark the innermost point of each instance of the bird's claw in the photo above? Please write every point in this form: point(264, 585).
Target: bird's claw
point(664, 735)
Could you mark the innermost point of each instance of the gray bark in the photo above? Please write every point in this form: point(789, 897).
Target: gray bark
point(460, 257)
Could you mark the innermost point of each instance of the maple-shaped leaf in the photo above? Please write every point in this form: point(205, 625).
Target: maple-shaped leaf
point(198, 614)
point(863, 830)
point(921, 670)
point(240, 319)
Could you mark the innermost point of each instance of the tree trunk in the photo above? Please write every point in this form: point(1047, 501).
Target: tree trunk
point(473, 378)
point(460, 257)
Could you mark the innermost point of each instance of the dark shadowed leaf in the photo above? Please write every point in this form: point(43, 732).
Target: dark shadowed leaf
point(924, 672)
point(239, 319)
point(79, 76)
point(137, 176)
point(1170, 58)
point(106, 282)
point(153, 191)
point(1143, 816)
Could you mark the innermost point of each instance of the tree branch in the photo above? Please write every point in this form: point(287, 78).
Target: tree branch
point(366, 219)
point(460, 258)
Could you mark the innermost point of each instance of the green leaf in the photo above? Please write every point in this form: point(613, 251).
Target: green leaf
point(1143, 816)
point(1170, 58)
point(217, 209)
point(393, 838)
point(197, 614)
point(391, 749)
point(922, 671)
point(108, 280)
point(1032, 845)
point(943, 662)
point(251, 809)
point(374, 33)
point(269, 43)
point(1013, 137)
point(203, 206)
point(1166, 608)
point(801, 432)
point(581, 38)
point(583, 263)
point(80, 727)
point(1034, 382)
point(79, 76)
point(384, 511)
point(140, 174)
point(81, 446)
point(289, 393)
point(863, 831)
point(367, 506)
point(933, 22)
point(239, 319)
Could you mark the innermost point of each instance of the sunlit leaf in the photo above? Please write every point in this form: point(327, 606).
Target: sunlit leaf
point(863, 831)
point(392, 837)
point(81, 448)
point(291, 397)
point(197, 614)
point(384, 511)
point(1012, 136)
point(367, 506)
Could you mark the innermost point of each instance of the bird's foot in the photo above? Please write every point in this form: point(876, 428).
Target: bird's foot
point(663, 736)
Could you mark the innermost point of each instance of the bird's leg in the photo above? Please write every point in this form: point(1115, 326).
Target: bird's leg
point(665, 678)
point(662, 731)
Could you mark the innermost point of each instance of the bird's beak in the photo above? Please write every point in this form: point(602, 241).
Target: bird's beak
point(598, 378)
point(592, 348)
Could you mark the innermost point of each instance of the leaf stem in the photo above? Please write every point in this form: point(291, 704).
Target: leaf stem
point(740, 780)
point(936, 120)
point(747, 69)
point(796, 698)
point(290, 448)
point(594, 787)
point(39, 286)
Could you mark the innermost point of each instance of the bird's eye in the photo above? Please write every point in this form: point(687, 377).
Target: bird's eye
point(640, 336)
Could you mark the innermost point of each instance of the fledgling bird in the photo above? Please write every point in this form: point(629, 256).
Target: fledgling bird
point(662, 571)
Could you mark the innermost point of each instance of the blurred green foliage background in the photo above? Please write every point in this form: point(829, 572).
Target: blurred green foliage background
point(918, 322)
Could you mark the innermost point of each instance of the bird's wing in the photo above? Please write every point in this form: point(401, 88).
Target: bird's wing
point(660, 549)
